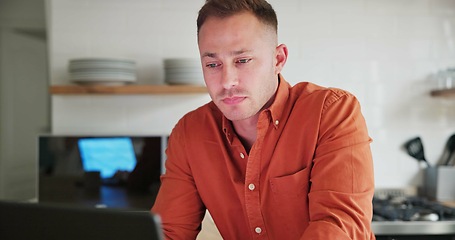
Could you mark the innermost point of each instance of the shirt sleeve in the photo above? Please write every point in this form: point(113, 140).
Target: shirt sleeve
point(342, 182)
point(178, 203)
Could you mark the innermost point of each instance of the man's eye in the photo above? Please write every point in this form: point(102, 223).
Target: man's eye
point(244, 60)
point(211, 65)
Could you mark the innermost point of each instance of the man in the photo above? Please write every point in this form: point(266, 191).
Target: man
point(267, 160)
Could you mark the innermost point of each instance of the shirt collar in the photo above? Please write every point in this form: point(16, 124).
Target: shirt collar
point(279, 104)
point(227, 129)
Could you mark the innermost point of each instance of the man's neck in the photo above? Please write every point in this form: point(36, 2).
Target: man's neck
point(246, 129)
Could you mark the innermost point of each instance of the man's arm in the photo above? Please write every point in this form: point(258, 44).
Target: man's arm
point(178, 202)
point(342, 182)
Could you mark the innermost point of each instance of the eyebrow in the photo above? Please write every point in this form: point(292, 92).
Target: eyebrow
point(209, 54)
point(233, 53)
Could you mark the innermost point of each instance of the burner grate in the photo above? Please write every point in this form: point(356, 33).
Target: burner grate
point(409, 208)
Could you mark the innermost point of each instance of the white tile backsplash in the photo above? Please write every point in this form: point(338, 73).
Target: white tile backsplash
point(383, 51)
point(121, 114)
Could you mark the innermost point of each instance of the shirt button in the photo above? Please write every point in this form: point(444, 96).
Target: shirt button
point(242, 155)
point(251, 187)
point(258, 230)
point(277, 122)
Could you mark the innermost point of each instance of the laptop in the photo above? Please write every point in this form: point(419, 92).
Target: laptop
point(20, 221)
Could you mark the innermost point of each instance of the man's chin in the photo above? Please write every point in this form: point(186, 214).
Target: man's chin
point(233, 116)
point(234, 113)
point(236, 116)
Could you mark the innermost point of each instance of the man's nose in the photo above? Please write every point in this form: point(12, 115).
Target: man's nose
point(229, 77)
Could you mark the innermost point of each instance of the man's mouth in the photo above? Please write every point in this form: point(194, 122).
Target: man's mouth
point(233, 100)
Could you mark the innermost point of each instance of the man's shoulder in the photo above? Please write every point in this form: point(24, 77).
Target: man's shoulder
point(303, 89)
point(324, 96)
point(307, 88)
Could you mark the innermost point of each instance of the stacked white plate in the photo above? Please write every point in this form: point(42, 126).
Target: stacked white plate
point(185, 71)
point(102, 71)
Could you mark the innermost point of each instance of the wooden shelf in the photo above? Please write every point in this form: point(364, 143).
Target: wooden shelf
point(125, 89)
point(447, 93)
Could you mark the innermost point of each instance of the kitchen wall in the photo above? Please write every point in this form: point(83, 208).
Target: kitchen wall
point(384, 51)
point(24, 102)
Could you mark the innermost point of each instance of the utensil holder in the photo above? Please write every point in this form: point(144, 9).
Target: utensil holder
point(440, 183)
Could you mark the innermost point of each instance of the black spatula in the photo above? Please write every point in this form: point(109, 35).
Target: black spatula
point(414, 147)
point(449, 151)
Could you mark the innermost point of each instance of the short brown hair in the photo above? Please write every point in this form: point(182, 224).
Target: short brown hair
point(225, 8)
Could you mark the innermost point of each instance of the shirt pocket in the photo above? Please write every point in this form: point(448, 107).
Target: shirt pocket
point(290, 198)
point(294, 185)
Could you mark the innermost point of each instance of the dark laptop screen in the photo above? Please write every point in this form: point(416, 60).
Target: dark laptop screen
point(25, 221)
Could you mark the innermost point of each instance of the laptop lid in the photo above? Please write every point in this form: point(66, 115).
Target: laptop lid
point(107, 155)
point(20, 221)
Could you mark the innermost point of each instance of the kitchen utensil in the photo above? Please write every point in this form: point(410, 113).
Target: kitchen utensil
point(449, 149)
point(439, 183)
point(414, 147)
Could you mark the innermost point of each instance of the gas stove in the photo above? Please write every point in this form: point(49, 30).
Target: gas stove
point(401, 215)
point(410, 208)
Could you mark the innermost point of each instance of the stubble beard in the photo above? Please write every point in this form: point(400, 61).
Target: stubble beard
point(236, 112)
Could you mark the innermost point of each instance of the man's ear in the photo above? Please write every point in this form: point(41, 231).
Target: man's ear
point(281, 55)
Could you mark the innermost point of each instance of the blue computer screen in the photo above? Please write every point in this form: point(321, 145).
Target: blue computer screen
point(107, 155)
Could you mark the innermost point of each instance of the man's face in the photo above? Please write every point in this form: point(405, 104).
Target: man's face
point(238, 56)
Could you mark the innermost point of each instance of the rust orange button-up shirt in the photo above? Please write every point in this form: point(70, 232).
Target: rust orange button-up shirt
point(309, 175)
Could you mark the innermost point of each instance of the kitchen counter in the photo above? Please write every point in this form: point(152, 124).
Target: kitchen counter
point(449, 204)
point(210, 232)
point(395, 228)
point(414, 228)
